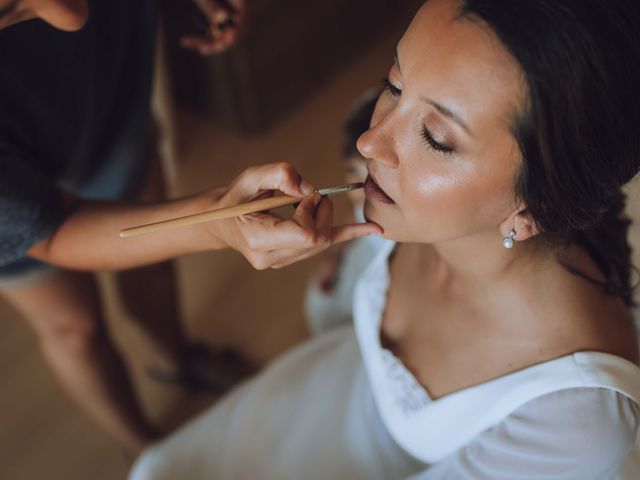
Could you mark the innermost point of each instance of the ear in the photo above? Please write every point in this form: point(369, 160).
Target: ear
point(522, 222)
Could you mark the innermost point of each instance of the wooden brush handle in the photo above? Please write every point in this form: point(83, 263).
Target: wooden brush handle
point(235, 211)
point(219, 214)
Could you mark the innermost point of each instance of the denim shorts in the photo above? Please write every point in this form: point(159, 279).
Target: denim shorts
point(122, 177)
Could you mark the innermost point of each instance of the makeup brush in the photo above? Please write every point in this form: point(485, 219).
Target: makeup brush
point(235, 211)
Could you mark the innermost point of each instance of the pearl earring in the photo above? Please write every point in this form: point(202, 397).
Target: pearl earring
point(507, 242)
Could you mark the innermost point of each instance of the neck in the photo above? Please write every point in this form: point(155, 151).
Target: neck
point(481, 264)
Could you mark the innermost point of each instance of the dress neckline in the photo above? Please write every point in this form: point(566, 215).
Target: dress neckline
point(578, 356)
point(513, 376)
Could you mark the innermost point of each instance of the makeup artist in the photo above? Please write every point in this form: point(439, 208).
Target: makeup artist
point(77, 165)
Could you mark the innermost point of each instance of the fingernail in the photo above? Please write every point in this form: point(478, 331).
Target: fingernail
point(316, 199)
point(306, 187)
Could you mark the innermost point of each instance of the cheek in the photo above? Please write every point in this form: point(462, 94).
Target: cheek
point(443, 205)
point(433, 204)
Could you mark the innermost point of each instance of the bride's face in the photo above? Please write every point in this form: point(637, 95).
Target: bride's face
point(440, 146)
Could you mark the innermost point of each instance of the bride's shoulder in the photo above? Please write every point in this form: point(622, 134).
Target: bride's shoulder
point(576, 314)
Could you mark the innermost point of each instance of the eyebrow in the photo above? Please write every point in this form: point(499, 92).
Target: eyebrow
point(444, 111)
point(8, 8)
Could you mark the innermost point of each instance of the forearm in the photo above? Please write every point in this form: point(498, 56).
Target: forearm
point(89, 238)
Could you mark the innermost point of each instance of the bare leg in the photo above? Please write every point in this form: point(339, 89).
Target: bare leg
point(65, 313)
point(149, 294)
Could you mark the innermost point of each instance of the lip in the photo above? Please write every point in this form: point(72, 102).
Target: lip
point(373, 191)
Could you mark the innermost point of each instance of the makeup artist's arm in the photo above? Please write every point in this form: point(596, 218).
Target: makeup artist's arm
point(268, 241)
point(89, 237)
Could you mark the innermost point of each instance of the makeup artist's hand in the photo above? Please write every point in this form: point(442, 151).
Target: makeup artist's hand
point(269, 241)
point(224, 21)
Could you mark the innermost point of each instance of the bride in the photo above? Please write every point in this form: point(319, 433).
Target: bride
point(492, 334)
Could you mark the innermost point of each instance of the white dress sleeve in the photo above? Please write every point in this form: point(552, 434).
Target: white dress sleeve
point(579, 433)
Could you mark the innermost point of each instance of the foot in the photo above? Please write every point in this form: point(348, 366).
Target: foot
point(207, 369)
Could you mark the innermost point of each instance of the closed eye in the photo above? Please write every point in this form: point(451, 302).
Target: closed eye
point(438, 147)
point(391, 88)
point(394, 91)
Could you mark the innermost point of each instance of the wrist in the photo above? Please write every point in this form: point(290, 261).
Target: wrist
point(213, 232)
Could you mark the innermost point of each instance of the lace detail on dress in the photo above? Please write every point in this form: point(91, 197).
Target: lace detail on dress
point(376, 286)
point(408, 393)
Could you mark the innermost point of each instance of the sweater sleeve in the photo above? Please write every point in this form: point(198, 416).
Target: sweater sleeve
point(31, 207)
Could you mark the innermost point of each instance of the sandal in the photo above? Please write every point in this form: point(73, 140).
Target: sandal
point(207, 369)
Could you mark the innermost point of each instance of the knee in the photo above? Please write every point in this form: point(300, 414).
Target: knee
point(73, 335)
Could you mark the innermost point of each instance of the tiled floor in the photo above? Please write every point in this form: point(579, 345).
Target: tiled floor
point(43, 436)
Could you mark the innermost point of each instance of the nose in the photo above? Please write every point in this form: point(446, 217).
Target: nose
point(67, 15)
point(377, 143)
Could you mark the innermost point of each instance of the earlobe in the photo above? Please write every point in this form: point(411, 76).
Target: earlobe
point(525, 226)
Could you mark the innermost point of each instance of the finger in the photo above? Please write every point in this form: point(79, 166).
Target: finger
point(197, 42)
point(345, 233)
point(263, 261)
point(193, 41)
point(221, 16)
point(213, 49)
point(276, 176)
point(284, 177)
point(262, 194)
point(266, 233)
point(304, 214)
point(221, 40)
point(238, 5)
point(229, 37)
point(324, 218)
point(264, 217)
point(232, 7)
point(208, 7)
point(291, 236)
point(206, 45)
point(285, 258)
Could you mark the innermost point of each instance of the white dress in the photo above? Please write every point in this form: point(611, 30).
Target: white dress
point(340, 406)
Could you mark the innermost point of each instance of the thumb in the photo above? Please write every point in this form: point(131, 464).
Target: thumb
point(348, 232)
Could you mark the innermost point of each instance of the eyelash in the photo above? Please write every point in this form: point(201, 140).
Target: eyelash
point(390, 88)
point(438, 147)
point(424, 133)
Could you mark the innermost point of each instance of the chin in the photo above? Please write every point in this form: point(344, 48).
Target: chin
point(392, 224)
point(371, 215)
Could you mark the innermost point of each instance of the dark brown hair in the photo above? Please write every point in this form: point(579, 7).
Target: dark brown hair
point(580, 134)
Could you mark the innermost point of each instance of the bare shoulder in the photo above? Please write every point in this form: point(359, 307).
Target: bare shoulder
point(523, 323)
point(579, 316)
